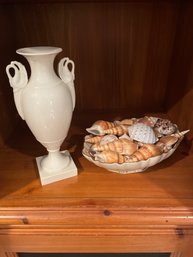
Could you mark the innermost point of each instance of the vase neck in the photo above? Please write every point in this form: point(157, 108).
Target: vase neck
point(42, 70)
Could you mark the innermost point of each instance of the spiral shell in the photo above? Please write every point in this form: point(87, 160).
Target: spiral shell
point(99, 126)
point(118, 130)
point(167, 142)
point(145, 152)
point(122, 146)
point(93, 140)
point(109, 157)
point(142, 133)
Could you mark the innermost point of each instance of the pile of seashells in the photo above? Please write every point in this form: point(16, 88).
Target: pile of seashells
point(131, 141)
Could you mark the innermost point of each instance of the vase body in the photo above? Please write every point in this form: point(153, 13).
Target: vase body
point(45, 101)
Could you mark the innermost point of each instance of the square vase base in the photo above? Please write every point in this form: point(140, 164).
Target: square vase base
point(47, 178)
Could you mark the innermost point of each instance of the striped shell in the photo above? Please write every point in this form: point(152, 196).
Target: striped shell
point(122, 146)
point(99, 126)
point(118, 130)
point(93, 140)
point(109, 157)
point(145, 152)
point(142, 133)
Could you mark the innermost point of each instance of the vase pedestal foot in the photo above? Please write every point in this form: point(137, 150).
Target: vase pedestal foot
point(53, 176)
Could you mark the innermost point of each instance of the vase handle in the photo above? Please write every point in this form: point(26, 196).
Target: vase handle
point(67, 75)
point(20, 79)
point(18, 82)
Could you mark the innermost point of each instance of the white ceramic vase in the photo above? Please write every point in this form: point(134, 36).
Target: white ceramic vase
point(46, 103)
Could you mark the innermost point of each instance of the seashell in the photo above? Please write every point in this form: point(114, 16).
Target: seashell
point(167, 142)
point(145, 152)
point(157, 133)
point(99, 126)
point(109, 157)
point(126, 137)
point(107, 139)
point(165, 127)
point(93, 140)
point(128, 122)
point(118, 130)
point(148, 120)
point(142, 133)
point(122, 146)
point(181, 134)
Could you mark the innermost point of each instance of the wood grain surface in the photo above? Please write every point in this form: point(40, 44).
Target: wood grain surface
point(180, 82)
point(132, 57)
point(122, 50)
point(97, 211)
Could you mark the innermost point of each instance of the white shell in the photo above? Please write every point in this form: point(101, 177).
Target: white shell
point(142, 133)
point(107, 139)
point(95, 130)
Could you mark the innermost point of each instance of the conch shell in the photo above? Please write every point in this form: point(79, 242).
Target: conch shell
point(118, 130)
point(166, 142)
point(122, 146)
point(145, 152)
point(99, 126)
point(142, 133)
point(93, 140)
point(109, 157)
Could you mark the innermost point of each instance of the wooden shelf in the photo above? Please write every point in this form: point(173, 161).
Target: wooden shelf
point(131, 56)
point(96, 205)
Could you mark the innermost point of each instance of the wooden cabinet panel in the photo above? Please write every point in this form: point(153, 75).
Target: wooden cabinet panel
point(131, 57)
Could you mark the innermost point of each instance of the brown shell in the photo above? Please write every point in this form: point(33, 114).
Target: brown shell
point(148, 120)
point(99, 126)
point(118, 130)
point(128, 122)
point(109, 157)
point(105, 124)
point(145, 152)
point(122, 146)
point(93, 140)
point(169, 140)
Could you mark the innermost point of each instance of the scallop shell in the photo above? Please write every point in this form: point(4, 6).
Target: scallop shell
point(148, 120)
point(118, 130)
point(109, 157)
point(142, 133)
point(99, 126)
point(122, 146)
